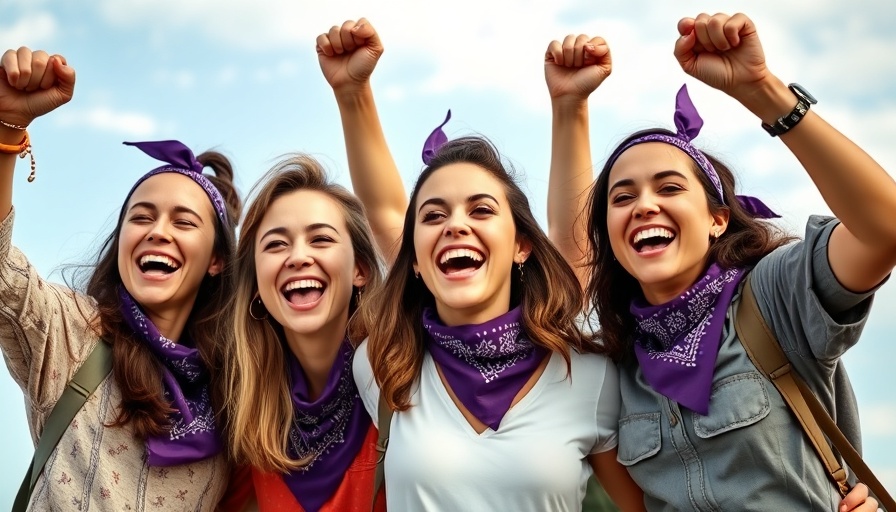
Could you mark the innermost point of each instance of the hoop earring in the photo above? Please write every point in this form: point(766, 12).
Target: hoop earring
point(256, 302)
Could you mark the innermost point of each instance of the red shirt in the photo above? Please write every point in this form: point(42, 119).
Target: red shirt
point(273, 495)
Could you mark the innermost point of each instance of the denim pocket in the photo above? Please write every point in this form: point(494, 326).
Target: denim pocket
point(735, 402)
point(639, 438)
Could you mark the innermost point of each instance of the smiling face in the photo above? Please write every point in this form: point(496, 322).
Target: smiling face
point(305, 264)
point(166, 244)
point(465, 243)
point(658, 219)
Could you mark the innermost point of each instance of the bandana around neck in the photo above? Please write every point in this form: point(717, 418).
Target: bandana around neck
point(330, 430)
point(193, 435)
point(486, 364)
point(676, 343)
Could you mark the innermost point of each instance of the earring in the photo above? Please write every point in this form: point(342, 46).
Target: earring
point(358, 295)
point(417, 274)
point(717, 234)
point(256, 302)
point(519, 265)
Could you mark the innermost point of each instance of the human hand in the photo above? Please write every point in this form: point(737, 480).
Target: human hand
point(858, 500)
point(722, 51)
point(33, 83)
point(348, 54)
point(575, 68)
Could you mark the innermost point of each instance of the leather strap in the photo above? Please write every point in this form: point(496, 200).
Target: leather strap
point(766, 353)
point(384, 424)
point(79, 388)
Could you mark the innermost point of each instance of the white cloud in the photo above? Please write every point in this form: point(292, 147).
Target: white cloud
point(182, 79)
point(106, 119)
point(879, 420)
point(36, 30)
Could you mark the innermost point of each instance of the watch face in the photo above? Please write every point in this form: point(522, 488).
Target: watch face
point(802, 93)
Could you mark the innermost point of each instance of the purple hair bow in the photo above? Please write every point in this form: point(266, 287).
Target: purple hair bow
point(688, 124)
point(181, 160)
point(435, 140)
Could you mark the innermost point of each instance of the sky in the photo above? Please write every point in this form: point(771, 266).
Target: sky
point(242, 78)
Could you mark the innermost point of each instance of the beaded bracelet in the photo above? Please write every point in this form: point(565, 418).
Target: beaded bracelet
point(21, 127)
point(22, 149)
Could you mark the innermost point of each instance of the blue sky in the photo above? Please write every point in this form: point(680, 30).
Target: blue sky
point(243, 77)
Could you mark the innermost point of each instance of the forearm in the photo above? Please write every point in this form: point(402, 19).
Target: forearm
point(570, 180)
point(9, 137)
point(855, 187)
point(374, 174)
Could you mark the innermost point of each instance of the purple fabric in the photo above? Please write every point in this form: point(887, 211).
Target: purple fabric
point(688, 124)
point(435, 141)
point(676, 343)
point(193, 435)
point(329, 430)
point(182, 162)
point(487, 364)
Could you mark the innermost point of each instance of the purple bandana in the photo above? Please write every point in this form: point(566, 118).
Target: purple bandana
point(330, 430)
point(676, 343)
point(182, 162)
point(193, 435)
point(435, 140)
point(688, 124)
point(486, 364)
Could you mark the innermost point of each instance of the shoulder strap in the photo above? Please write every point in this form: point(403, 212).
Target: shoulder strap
point(83, 384)
point(765, 352)
point(384, 423)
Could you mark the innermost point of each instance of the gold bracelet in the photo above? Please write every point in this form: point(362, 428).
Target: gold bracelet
point(22, 149)
point(13, 126)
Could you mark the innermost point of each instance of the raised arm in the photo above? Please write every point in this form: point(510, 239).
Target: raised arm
point(32, 83)
point(348, 55)
point(725, 52)
point(573, 69)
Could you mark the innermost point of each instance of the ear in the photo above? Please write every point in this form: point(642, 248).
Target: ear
point(720, 222)
point(523, 250)
point(360, 277)
point(415, 268)
point(215, 266)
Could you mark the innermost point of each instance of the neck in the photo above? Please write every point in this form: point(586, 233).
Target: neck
point(316, 353)
point(662, 292)
point(475, 314)
point(171, 323)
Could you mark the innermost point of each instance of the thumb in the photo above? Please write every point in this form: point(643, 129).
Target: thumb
point(65, 76)
point(365, 34)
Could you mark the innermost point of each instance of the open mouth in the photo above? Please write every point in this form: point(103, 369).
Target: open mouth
point(652, 239)
point(455, 261)
point(156, 264)
point(303, 291)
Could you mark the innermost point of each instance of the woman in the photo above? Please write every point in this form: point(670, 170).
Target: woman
point(501, 404)
point(158, 295)
point(670, 246)
point(304, 259)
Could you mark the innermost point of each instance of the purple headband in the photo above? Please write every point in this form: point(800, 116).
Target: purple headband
point(435, 140)
point(183, 162)
point(688, 124)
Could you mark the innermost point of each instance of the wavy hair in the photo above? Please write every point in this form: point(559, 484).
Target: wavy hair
point(550, 295)
point(611, 288)
point(259, 406)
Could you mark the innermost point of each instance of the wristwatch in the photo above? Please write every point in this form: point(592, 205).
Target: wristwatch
point(785, 123)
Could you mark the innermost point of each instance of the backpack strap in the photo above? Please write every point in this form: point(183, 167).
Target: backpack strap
point(384, 424)
point(85, 381)
point(766, 353)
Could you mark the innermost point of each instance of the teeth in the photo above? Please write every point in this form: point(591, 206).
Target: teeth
point(302, 283)
point(460, 253)
point(157, 258)
point(652, 233)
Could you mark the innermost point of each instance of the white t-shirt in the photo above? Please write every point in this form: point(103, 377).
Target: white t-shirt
point(535, 461)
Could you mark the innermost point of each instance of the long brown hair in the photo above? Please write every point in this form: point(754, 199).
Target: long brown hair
point(549, 293)
point(259, 406)
point(136, 370)
point(611, 288)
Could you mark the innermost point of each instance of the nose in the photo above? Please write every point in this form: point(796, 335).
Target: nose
point(456, 226)
point(159, 233)
point(645, 206)
point(299, 258)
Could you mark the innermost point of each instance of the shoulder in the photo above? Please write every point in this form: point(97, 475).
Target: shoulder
point(364, 380)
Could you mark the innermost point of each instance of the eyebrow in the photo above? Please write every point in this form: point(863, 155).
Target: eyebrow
point(280, 230)
point(154, 208)
point(441, 202)
point(656, 177)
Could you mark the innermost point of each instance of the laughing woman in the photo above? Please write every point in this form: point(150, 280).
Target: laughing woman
point(500, 403)
point(158, 295)
point(305, 257)
point(671, 245)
